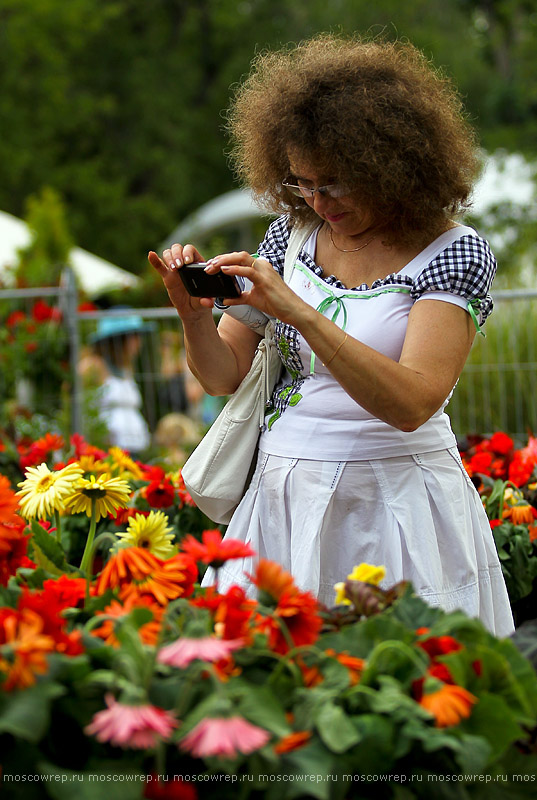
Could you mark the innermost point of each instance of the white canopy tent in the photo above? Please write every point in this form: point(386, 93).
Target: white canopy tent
point(231, 208)
point(94, 274)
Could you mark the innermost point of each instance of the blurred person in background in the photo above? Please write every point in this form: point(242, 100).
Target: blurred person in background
point(111, 366)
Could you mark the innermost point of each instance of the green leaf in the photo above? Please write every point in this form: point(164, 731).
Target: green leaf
point(360, 639)
point(403, 662)
point(26, 714)
point(472, 753)
point(315, 769)
point(525, 640)
point(47, 552)
point(376, 752)
point(523, 673)
point(262, 707)
point(9, 596)
point(492, 719)
point(413, 612)
point(105, 783)
point(335, 728)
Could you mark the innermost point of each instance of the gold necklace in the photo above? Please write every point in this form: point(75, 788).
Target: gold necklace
point(353, 249)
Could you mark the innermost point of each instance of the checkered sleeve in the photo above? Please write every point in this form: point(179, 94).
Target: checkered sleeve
point(274, 244)
point(465, 268)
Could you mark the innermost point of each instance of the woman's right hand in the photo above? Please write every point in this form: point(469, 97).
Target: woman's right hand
point(168, 268)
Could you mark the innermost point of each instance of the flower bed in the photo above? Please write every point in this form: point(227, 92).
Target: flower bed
point(121, 677)
point(506, 478)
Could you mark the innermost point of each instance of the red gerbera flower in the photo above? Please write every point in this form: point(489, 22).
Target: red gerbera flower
point(9, 503)
point(213, 550)
point(42, 312)
point(48, 604)
point(14, 318)
point(439, 646)
point(232, 612)
point(160, 493)
point(66, 592)
point(82, 448)
point(158, 787)
point(123, 515)
point(501, 443)
point(294, 622)
point(13, 547)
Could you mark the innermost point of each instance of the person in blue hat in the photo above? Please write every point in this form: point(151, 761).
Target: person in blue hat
point(116, 345)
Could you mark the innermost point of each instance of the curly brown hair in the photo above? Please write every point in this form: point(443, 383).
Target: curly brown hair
point(375, 115)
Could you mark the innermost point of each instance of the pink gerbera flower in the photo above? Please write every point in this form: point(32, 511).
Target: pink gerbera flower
point(207, 648)
point(138, 727)
point(225, 737)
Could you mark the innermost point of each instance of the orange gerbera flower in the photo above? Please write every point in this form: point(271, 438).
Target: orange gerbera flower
point(311, 676)
point(519, 514)
point(292, 742)
point(148, 632)
point(213, 550)
point(449, 704)
point(134, 570)
point(272, 579)
point(24, 646)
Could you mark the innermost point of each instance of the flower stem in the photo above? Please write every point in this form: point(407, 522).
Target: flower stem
point(57, 523)
point(87, 559)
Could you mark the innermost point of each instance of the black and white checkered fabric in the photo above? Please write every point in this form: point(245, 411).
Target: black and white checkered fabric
point(466, 268)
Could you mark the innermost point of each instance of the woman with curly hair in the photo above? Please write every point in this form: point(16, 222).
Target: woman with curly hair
point(363, 149)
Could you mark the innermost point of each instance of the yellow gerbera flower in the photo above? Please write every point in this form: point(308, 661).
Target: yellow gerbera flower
point(91, 464)
point(44, 492)
point(108, 493)
point(151, 533)
point(125, 463)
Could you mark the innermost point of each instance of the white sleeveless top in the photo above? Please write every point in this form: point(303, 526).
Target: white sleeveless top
point(313, 417)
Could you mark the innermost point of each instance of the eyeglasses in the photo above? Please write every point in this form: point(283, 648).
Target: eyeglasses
point(333, 190)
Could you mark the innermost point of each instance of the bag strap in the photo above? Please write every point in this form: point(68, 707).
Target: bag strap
point(297, 239)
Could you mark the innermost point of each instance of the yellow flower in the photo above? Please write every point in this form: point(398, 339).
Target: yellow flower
point(367, 573)
point(125, 463)
point(341, 597)
point(90, 464)
point(44, 492)
point(151, 533)
point(108, 493)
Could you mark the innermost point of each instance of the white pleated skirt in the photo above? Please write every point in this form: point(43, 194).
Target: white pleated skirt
point(419, 516)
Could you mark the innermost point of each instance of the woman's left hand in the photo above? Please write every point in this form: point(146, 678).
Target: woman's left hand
point(269, 292)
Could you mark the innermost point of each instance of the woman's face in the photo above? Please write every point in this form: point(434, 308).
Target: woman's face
point(343, 214)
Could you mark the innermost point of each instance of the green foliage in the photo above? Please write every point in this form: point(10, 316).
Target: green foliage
point(42, 261)
point(118, 106)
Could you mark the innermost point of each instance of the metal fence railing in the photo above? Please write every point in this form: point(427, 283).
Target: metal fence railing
point(497, 389)
point(498, 386)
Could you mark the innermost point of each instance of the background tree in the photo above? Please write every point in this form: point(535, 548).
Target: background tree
point(117, 104)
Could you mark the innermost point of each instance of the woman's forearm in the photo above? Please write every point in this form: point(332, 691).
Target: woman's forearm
point(218, 359)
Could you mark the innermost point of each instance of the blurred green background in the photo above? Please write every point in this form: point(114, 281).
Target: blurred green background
point(117, 104)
